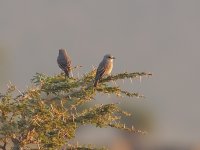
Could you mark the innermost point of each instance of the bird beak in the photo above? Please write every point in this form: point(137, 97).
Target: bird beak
point(113, 58)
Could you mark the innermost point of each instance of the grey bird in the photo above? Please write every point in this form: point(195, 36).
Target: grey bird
point(105, 68)
point(64, 62)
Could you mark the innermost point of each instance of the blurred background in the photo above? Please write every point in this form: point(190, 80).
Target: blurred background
point(158, 36)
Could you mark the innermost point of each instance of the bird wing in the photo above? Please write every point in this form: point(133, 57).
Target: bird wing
point(100, 71)
point(64, 63)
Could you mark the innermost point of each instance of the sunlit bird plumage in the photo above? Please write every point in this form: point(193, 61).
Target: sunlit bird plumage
point(104, 68)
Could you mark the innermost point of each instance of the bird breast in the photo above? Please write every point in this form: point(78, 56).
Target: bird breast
point(109, 68)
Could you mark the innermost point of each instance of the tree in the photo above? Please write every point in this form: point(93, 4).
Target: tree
point(47, 115)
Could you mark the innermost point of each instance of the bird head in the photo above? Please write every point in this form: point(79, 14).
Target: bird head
point(109, 57)
point(62, 51)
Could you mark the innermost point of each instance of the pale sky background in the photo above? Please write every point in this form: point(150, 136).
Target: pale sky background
point(158, 36)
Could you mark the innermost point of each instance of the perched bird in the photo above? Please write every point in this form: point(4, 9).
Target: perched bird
point(64, 62)
point(105, 68)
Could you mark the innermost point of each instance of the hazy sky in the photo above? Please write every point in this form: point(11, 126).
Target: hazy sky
point(160, 36)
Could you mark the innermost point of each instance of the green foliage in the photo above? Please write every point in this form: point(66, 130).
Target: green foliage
point(48, 114)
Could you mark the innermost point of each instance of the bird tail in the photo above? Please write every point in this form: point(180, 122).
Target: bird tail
point(66, 74)
point(95, 83)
